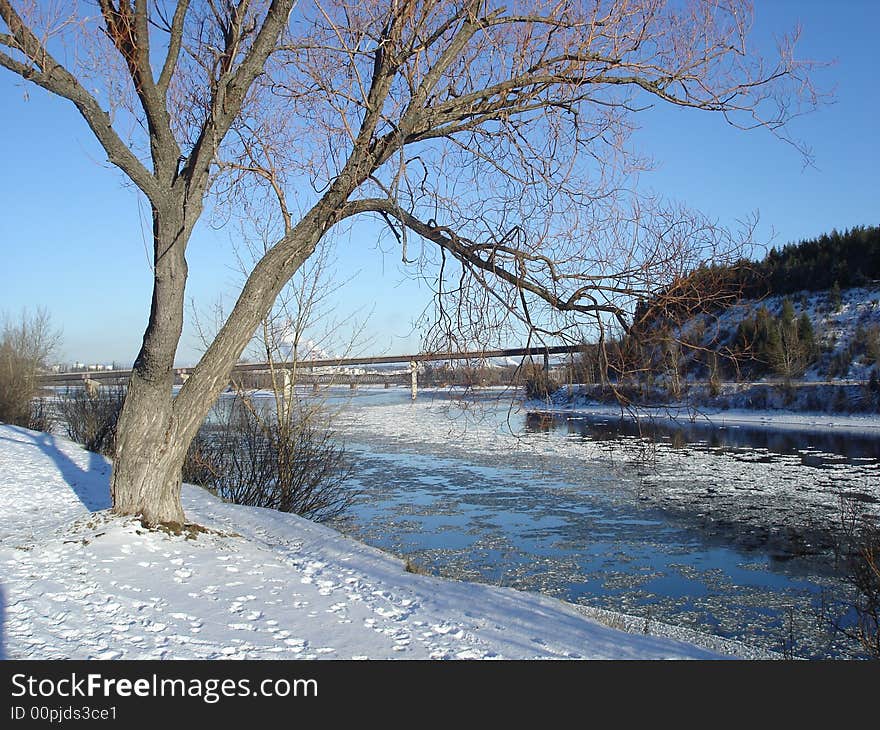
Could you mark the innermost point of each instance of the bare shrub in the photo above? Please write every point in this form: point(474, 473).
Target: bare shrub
point(858, 553)
point(538, 382)
point(91, 419)
point(40, 418)
point(25, 347)
point(248, 456)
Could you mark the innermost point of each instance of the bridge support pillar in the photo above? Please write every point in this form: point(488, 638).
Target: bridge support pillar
point(546, 361)
point(387, 384)
point(91, 387)
point(288, 383)
point(414, 379)
point(315, 387)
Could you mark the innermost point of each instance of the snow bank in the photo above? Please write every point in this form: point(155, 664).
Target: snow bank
point(81, 583)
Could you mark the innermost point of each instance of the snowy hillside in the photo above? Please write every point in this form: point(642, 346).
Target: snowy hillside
point(837, 325)
point(81, 583)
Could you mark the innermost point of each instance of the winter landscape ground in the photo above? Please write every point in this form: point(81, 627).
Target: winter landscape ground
point(81, 583)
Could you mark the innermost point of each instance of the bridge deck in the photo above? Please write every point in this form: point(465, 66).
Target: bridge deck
point(61, 378)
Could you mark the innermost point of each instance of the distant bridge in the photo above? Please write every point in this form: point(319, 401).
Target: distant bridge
point(94, 378)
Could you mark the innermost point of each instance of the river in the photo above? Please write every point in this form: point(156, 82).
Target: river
point(727, 531)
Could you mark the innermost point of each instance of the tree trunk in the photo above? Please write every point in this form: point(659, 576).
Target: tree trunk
point(150, 445)
point(155, 428)
point(149, 456)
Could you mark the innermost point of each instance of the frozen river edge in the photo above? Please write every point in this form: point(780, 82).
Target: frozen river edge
point(81, 583)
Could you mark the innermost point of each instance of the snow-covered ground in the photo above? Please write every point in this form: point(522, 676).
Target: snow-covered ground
point(81, 583)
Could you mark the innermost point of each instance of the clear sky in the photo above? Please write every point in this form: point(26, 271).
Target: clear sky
point(74, 238)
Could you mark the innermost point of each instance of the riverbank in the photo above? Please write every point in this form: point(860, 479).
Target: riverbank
point(686, 413)
point(81, 583)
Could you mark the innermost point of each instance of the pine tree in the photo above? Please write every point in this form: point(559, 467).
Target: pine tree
point(835, 298)
point(807, 337)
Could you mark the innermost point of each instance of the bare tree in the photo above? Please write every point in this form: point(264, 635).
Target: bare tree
point(491, 139)
point(26, 343)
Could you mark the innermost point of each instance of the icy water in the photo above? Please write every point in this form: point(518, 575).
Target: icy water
point(726, 531)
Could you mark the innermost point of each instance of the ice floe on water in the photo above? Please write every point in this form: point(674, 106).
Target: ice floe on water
point(730, 539)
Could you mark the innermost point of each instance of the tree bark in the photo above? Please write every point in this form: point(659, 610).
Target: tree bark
point(149, 448)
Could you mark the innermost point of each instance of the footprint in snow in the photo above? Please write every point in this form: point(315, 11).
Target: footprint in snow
point(470, 654)
point(390, 613)
point(107, 655)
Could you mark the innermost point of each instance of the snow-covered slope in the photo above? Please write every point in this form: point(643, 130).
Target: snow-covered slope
point(835, 325)
point(81, 583)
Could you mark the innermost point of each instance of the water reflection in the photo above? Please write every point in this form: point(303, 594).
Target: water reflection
point(817, 448)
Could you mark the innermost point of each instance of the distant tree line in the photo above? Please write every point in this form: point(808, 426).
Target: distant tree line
point(832, 261)
point(662, 337)
point(841, 260)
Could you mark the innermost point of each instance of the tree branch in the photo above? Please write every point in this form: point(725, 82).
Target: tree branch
point(128, 29)
point(466, 252)
point(175, 42)
point(45, 71)
point(232, 86)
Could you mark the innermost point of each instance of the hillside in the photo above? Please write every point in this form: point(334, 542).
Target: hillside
point(799, 329)
point(845, 330)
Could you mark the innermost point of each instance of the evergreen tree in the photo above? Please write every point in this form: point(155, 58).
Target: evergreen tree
point(835, 298)
point(807, 336)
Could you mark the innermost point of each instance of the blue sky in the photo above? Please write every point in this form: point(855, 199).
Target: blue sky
point(74, 238)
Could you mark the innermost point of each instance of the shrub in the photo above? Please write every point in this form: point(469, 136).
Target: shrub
point(91, 418)
point(858, 552)
point(538, 383)
point(40, 416)
point(248, 456)
point(839, 364)
point(866, 342)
